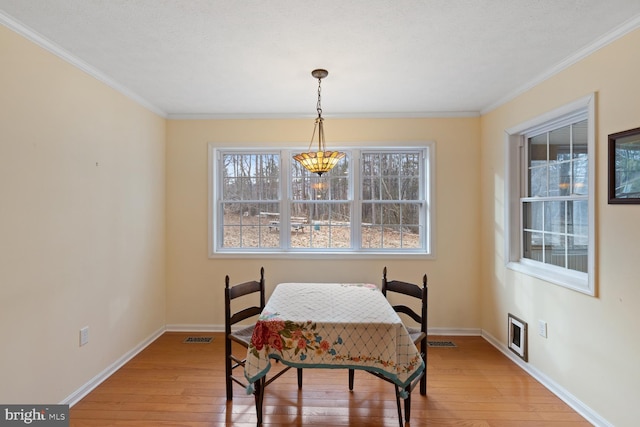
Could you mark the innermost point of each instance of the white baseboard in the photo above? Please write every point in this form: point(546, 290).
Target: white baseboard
point(575, 403)
point(455, 331)
point(194, 328)
point(94, 382)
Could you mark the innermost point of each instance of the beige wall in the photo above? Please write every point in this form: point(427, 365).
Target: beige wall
point(82, 201)
point(195, 283)
point(592, 347)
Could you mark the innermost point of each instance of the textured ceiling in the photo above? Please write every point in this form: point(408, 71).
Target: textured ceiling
point(253, 58)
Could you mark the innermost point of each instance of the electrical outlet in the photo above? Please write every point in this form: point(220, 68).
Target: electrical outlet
point(84, 336)
point(542, 328)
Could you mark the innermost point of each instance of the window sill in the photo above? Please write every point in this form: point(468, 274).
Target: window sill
point(569, 279)
point(322, 255)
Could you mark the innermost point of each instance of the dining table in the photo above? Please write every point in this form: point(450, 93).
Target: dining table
point(332, 326)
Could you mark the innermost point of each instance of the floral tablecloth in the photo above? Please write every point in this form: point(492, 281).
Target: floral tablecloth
point(332, 325)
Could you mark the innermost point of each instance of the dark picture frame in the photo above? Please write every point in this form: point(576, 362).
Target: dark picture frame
point(517, 338)
point(624, 167)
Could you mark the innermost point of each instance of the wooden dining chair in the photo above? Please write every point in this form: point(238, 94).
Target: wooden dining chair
point(242, 334)
point(417, 332)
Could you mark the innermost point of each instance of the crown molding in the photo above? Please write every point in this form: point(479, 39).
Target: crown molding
point(618, 32)
point(55, 49)
point(240, 116)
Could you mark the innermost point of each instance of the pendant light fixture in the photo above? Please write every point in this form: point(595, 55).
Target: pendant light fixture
point(320, 161)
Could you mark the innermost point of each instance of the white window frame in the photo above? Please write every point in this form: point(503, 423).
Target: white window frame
point(428, 171)
point(515, 181)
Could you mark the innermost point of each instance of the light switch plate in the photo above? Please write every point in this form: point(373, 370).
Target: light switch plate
point(84, 336)
point(542, 328)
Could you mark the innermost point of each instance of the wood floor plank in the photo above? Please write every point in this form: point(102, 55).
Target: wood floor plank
point(171, 383)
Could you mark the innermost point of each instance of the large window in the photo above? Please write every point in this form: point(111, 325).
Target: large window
point(373, 201)
point(550, 196)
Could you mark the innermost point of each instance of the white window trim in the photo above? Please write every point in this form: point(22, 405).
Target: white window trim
point(514, 143)
point(430, 220)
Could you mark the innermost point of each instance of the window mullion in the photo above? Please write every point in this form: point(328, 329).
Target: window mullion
point(566, 234)
point(571, 160)
point(548, 164)
point(355, 200)
point(544, 234)
point(286, 199)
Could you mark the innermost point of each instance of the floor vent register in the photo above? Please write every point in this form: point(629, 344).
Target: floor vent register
point(441, 344)
point(198, 340)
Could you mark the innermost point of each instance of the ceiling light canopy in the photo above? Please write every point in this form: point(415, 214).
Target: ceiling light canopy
point(320, 161)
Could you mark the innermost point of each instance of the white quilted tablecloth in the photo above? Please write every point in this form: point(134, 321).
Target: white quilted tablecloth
point(332, 325)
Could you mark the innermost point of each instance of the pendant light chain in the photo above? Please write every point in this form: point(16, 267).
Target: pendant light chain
point(320, 120)
point(320, 161)
point(319, 105)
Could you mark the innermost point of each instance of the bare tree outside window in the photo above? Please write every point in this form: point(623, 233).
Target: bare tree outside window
point(250, 188)
point(260, 207)
point(390, 200)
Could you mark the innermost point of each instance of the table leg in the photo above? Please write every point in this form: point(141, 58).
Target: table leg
point(399, 407)
point(259, 395)
point(407, 405)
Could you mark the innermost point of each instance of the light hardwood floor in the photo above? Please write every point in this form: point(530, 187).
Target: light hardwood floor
point(171, 383)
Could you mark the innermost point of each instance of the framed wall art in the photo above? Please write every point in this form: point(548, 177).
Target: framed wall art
point(624, 167)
